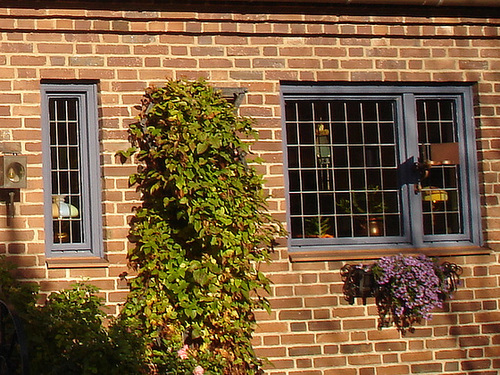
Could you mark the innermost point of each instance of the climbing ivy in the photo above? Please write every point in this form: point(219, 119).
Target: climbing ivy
point(200, 234)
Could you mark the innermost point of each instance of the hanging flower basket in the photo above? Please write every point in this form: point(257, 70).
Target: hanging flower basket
point(406, 288)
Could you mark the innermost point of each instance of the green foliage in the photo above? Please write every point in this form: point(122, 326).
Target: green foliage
point(17, 300)
point(20, 296)
point(68, 335)
point(371, 201)
point(200, 233)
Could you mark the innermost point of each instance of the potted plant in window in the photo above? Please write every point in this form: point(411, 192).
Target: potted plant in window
point(406, 288)
point(318, 227)
point(360, 205)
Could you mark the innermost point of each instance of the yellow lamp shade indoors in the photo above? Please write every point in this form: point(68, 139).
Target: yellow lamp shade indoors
point(434, 195)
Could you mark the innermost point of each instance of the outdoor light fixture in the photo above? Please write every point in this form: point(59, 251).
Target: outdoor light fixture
point(13, 171)
point(12, 179)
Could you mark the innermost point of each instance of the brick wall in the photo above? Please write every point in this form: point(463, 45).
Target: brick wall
point(311, 330)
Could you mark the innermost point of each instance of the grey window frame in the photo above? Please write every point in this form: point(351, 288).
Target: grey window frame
point(90, 173)
point(405, 97)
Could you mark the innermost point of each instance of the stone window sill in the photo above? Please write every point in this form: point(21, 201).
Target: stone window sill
point(335, 255)
point(88, 262)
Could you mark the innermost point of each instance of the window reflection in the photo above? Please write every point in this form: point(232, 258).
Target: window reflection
point(65, 170)
point(343, 170)
point(438, 147)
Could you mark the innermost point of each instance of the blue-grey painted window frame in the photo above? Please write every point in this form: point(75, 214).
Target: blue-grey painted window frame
point(86, 95)
point(405, 97)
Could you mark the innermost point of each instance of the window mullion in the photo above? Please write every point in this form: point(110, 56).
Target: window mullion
point(84, 163)
point(412, 208)
point(468, 151)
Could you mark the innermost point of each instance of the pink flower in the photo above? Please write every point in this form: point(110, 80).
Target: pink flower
point(198, 370)
point(182, 352)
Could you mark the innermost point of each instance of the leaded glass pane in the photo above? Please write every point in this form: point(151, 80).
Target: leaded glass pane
point(438, 145)
point(65, 170)
point(345, 169)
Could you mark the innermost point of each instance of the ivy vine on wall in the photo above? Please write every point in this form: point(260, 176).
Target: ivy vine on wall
point(200, 233)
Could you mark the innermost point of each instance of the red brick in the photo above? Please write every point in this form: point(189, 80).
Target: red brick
point(425, 368)
point(416, 356)
point(476, 365)
point(391, 346)
point(270, 352)
point(86, 61)
point(391, 370)
point(16, 47)
point(446, 342)
point(356, 348)
point(465, 330)
point(364, 359)
point(297, 339)
point(490, 328)
point(295, 315)
point(360, 324)
point(304, 350)
point(473, 341)
point(323, 325)
point(342, 371)
point(329, 362)
point(280, 363)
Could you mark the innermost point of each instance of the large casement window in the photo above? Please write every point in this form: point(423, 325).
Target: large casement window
point(71, 171)
point(380, 167)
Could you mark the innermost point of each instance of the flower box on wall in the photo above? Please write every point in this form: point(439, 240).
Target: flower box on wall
point(406, 288)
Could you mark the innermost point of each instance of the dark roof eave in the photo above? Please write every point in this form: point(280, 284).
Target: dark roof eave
point(430, 3)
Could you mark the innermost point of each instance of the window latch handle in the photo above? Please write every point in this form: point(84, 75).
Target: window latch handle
point(422, 171)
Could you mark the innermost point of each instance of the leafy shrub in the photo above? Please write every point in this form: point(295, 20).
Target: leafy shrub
point(68, 335)
point(199, 234)
point(17, 301)
point(21, 296)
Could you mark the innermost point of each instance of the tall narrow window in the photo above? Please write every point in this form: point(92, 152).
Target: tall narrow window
point(380, 167)
point(441, 198)
point(71, 170)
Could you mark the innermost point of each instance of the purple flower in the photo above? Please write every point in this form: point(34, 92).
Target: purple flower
point(412, 286)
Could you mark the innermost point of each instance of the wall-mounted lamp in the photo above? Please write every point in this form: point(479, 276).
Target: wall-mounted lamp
point(12, 178)
point(13, 171)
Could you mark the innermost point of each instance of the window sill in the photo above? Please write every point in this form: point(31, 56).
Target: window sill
point(347, 254)
point(88, 262)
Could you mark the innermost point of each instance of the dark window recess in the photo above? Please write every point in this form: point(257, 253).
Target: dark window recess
point(65, 149)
